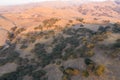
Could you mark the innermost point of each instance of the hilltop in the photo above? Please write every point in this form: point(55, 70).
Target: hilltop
point(31, 15)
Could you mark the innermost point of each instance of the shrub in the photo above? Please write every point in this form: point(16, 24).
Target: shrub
point(90, 65)
point(70, 21)
point(3, 62)
point(72, 71)
point(85, 73)
point(90, 46)
point(9, 76)
point(25, 69)
point(89, 53)
point(58, 62)
point(18, 31)
point(69, 53)
point(61, 68)
point(100, 70)
point(9, 58)
point(57, 51)
point(38, 74)
point(69, 72)
point(23, 46)
point(73, 41)
point(12, 56)
point(81, 25)
point(80, 19)
point(1, 47)
point(101, 29)
point(11, 36)
point(13, 28)
point(115, 53)
point(91, 68)
point(65, 77)
point(76, 72)
point(39, 27)
point(50, 22)
point(39, 49)
point(46, 59)
point(21, 61)
point(80, 52)
point(88, 61)
point(117, 44)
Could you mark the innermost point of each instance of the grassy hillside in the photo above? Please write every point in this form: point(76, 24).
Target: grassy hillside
point(60, 41)
point(56, 53)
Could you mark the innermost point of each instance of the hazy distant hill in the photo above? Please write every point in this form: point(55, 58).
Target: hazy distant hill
point(91, 12)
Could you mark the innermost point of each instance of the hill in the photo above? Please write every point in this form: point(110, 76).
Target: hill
point(60, 41)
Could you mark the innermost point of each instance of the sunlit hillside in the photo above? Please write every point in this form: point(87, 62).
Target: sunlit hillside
point(60, 40)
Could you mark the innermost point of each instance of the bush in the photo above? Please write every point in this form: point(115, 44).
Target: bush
point(71, 71)
point(89, 53)
point(11, 36)
point(13, 28)
point(76, 72)
point(38, 74)
point(85, 73)
point(19, 30)
point(90, 65)
point(117, 44)
point(58, 62)
point(46, 59)
point(23, 46)
point(57, 51)
point(21, 61)
point(50, 22)
point(65, 77)
point(100, 70)
point(39, 27)
point(69, 53)
point(116, 28)
point(73, 41)
point(61, 68)
point(90, 46)
point(88, 61)
point(91, 68)
point(80, 19)
point(101, 29)
point(3, 62)
point(10, 76)
point(70, 21)
point(81, 25)
point(39, 49)
point(1, 47)
point(9, 58)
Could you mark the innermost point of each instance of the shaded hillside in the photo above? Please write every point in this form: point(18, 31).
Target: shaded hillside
point(60, 41)
point(59, 54)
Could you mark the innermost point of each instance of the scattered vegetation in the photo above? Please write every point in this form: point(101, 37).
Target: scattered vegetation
point(85, 73)
point(99, 70)
point(37, 75)
point(9, 55)
point(50, 22)
point(92, 67)
point(69, 72)
point(69, 44)
point(80, 19)
point(117, 44)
